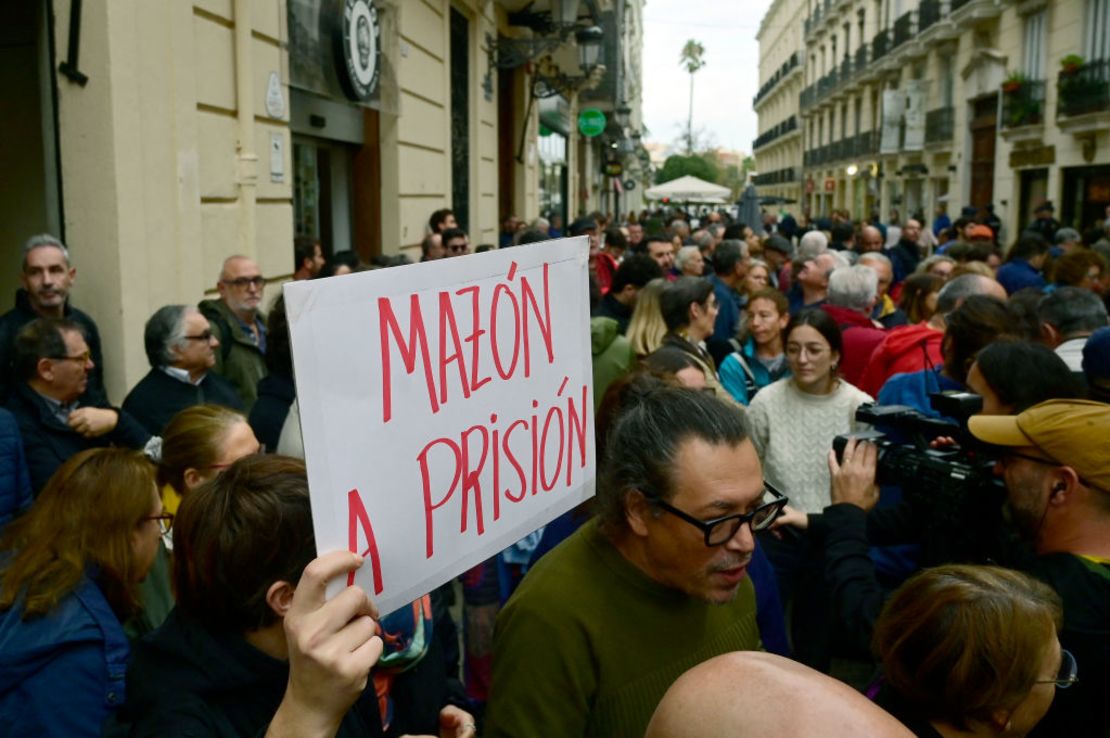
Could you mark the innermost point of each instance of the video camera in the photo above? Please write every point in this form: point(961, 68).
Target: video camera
point(952, 500)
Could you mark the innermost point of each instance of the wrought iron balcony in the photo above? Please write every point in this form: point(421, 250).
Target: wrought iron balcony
point(808, 97)
point(940, 124)
point(928, 13)
point(846, 69)
point(861, 57)
point(880, 45)
point(903, 29)
point(779, 176)
point(775, 132)
point(1022, 103)
point(955, 5)
point(778, 76)
point(826, 85)
point(1084, 90)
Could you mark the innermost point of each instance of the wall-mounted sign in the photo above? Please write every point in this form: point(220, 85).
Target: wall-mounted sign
point(613, 168)
point(275, 100)
point(630, 184)
point(358, 49)
point(591, 122)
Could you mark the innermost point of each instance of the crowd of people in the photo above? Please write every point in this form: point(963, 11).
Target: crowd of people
point(158, 574)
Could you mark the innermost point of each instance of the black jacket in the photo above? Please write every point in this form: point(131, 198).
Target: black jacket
point(158, 397)
point(275, 394)
point(611, 307)
point(48, 442)
point(13, 321)
point(185, 680)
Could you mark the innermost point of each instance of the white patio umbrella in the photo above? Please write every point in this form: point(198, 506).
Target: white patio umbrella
point(688, 189)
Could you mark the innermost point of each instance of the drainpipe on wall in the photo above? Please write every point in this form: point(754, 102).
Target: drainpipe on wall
point(246, 157)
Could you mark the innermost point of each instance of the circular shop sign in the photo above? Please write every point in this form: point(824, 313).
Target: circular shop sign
point(591, 122)
point(358, 49)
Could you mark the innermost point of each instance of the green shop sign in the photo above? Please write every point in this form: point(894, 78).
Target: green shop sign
point(591, 122)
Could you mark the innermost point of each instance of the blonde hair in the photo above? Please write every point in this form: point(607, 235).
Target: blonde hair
point(194, 440)
point(647, 328)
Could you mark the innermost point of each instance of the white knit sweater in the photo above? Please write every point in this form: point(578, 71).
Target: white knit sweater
point(793, 432)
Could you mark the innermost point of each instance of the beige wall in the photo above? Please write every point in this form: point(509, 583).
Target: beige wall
point(165, 158)
point(416, 156)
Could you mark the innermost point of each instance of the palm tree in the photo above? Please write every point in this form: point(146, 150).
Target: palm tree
point(692, 57)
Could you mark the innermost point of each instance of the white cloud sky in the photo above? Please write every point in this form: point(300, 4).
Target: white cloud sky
point(723, 88)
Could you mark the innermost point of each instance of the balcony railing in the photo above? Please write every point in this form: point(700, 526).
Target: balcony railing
point(955, 5)
point(1084, 90)
point(880, 45)
point(940, 124)
point(928, 13)
point(826, 84)
point(779, 176)
point(778, 76)
point(861, 57)
point(1022, 103)
point(903, 29)
point(776, 131)
point(808, 97)
point(846, 69)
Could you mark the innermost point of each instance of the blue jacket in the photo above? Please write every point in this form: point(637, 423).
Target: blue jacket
point(1019, 274)
point(734, 379)
point(913, 389)
point(62, 673)
point(15, 481)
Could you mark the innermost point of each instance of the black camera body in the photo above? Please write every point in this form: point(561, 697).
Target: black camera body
point(951, 493)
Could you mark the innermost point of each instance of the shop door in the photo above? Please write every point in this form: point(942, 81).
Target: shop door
point(1034, 191)
point(322, 192)
point(984, 134)
point(1086, 197)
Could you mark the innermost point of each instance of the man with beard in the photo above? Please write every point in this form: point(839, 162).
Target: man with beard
point(1056, 465)
point(47, 278)
point(906, 253)
point(652, 586)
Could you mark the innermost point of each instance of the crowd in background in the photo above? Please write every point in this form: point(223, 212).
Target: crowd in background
point(156, 557)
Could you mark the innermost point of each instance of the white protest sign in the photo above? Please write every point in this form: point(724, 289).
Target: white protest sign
point(446, 409)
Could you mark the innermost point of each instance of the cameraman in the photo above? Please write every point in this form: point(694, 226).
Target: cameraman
point(1055, 460)
point(851, 525)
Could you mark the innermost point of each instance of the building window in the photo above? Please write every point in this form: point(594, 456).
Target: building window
point(1033, 59)
point(1096, 36)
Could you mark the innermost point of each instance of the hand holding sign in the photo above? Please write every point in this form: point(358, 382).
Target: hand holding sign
point(332, 647)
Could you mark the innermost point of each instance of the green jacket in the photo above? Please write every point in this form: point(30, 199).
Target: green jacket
point(238, 359)
point(612, 355)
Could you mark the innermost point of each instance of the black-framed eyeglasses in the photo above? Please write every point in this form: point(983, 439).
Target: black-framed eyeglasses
point(720, 531)
point(1068, 674)
point(258, 282)
point(206, 337)
point(165, 521)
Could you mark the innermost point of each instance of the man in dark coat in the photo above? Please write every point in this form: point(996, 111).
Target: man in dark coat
point(46, 280)
point(182, 350)
point(56, 416)
point(239, 326)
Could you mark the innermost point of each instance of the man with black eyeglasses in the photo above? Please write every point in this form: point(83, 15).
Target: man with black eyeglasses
point(1055, 461)
point(656, 583)
point(181, 348)
point(239, 326)
point(57, 418)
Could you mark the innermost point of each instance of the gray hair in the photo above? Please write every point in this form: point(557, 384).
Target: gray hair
point(1072, 310)
point(853, 287)
point(685, 254)
point(164, 332)
point(729, 253)
point(654, 421)
point(703, 239)
point(540, 224)
point(875, 256)
point(1067, 235)
point(40, 240)
point(715, 230)
point(812, 244)
point(956, 290)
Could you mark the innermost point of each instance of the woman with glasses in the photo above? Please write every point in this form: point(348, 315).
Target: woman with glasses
point(971, 651)
point(69, 574)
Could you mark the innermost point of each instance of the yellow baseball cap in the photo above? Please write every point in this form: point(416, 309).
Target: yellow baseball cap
point(1073, 433)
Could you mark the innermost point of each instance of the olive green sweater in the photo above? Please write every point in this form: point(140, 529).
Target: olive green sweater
point(589, 644)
